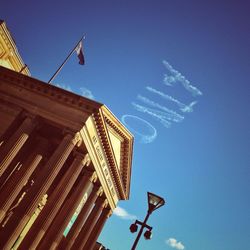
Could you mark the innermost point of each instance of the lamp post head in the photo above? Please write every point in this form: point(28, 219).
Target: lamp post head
point(154, 202)
point(133, 228)
point(148, 235)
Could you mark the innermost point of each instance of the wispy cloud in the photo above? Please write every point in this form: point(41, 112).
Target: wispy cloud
point(136, 125)
point(175, 76)
point(87, 93)
point(63, 86)
point(123, 214)
point(175, 244)
point(83, 91)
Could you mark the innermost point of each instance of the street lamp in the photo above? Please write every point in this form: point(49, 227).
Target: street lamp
point(154, 202)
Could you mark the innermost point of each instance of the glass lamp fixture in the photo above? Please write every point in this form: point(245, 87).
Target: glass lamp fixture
point(154, 202)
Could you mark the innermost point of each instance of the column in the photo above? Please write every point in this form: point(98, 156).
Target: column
point(76, 227)
point(55, 232)
point(89, 224)
point(57, 198)
point(13, 186)
point(15, 143)
point(106, 212)
point(28, 205)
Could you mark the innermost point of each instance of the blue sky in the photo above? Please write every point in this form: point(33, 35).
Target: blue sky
point(198, 163)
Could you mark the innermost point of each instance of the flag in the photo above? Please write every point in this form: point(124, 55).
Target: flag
point(79, 52)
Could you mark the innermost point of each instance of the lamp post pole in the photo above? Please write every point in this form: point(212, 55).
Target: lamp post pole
point(141, 230)
point(154, 202)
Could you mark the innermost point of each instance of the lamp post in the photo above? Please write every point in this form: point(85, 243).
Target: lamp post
point(154, 202)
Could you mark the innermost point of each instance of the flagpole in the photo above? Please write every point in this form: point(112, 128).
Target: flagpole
point(23, 68)
point(67, 58)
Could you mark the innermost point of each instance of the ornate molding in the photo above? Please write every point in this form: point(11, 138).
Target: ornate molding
point(105, 120)
point(57, 94)
point(86, 160)
point(116, 178)
point(9, 50)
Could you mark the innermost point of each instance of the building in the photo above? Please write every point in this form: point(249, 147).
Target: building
point(65, 161)
point(9, 55)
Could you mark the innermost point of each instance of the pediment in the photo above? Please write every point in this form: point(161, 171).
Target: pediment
point(118, 146)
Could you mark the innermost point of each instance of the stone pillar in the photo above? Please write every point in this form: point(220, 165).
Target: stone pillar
point(15, 143)
point(13, 186)
point(55, 202)
point(76, 227)
point(89, 224)
point(55, 233)
point(106, 212)
point(28, 205)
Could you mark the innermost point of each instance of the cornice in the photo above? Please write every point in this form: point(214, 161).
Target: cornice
point(121, 178)
point(44, 89)
point(126, 153)
point(100, 127)
point(11, 49)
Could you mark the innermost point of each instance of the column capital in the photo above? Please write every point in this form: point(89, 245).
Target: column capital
point(107, 211)
point(90, 174)
point(110, 213)
point(106, 203)
point(100, 191)
point(86, 161)
point(100, 201)
point(78, 155)
point(77, 139)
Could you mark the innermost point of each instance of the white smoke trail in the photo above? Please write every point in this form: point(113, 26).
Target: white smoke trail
point(134, 123)
point(183, 107)
point(158, 115)
point(167, 97)
point(172, 115)
point(188, 108)
point(175, 76)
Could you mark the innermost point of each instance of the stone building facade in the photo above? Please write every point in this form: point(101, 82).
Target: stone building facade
point(65, 161)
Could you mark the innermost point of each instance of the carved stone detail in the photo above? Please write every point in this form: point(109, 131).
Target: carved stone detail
point(86, 161)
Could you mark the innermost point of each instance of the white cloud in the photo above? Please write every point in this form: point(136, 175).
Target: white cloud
point(66, 87)
point(86, 93)
point(123, 214)
point(175, 244)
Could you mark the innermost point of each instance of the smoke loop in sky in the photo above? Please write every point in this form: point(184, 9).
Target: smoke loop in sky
point(142, 129)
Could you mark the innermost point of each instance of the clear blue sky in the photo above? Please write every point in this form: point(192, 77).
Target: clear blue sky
point(200, 162)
